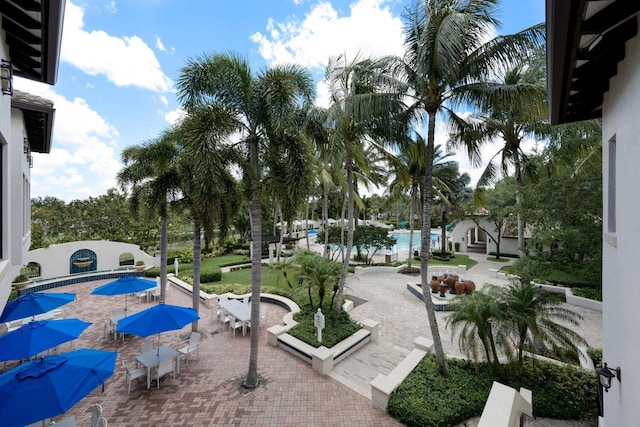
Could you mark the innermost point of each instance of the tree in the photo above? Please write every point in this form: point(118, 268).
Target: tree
point(369, 240)
point(206, 181)
point(363, 109)
point(499, 202)
point(515, 108)
point(150, 170)
point(445, 58)
point(532, 316)
point(479, 316)
point(317, 273)
point(264, 108)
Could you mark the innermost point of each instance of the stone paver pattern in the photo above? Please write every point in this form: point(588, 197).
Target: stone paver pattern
point(204, 393)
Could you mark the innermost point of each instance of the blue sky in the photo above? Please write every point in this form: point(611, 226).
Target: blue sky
point(119, 60)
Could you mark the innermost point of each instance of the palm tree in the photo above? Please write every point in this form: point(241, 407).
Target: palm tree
point(533, 317)
point(207, 184)
point(515, 108)
point(362, 108)
point(264, 108)
point(445, 56)
point(479, 316)
point(454, 191)
point(150, 169)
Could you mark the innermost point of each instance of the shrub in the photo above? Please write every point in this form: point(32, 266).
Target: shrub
point(307, 332)
point(426, 399)
point(596, 356)
point(210, 274)
point(594, 294)
point(505, 255)
point(20, 278)
point(139, 263)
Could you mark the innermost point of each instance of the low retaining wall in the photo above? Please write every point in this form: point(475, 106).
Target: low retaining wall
point(322, 358)
point(571, 298)
point(383, 385)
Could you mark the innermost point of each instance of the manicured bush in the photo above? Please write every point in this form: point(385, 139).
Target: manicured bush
point(594, 294)
point(210, 274)
point(427, 399)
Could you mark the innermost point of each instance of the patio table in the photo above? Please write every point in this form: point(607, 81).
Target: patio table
point(240, 311)
point(153, 358)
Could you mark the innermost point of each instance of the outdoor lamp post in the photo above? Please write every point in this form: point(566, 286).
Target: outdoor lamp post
point(605, 374)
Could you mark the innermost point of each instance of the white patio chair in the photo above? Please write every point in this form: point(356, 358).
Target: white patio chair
point(147, 345)
point(235, 324)
point(133, 374)
point(95, 415)
point(245, 300)
point(102, 422)
point(109, 328)
point(192, 346)
point(263, 314)
point(155, 293)
point(165, 367)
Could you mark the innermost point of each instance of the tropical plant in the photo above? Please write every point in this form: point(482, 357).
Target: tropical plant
point(532, 317)
point(150, 170)
point(478, 316)
point(514, 108)
point(445, 58)
point(207, 184)
point(362, 113)
point(265, 109)
point(316, 272)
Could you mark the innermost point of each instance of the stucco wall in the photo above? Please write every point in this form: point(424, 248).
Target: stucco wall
point(54, 260)
point(621, 293)
point(459, 235)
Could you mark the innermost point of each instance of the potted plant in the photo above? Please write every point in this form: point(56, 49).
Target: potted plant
point(21, 281)
point(140, 265)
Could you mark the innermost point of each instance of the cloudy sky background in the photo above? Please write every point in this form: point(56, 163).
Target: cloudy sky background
point(119, 61)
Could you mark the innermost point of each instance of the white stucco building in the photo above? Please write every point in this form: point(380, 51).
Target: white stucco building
point(30, 38)
point(593, 59)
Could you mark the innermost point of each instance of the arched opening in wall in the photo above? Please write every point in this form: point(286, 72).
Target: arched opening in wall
point(83, 261)
point(126, 258)
point(475, 240)
point(33, 270)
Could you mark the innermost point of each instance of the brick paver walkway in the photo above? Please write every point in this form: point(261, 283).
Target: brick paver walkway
point(204, 393)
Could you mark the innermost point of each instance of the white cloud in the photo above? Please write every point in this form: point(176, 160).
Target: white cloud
point(371, 28)
point(159, 44)
point(83, 158)
point(174, 116)
point(126, 61)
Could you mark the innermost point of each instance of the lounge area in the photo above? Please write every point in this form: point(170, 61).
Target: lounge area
point(205, 391)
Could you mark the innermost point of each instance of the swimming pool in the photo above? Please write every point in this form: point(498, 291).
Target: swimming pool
point(403, 239)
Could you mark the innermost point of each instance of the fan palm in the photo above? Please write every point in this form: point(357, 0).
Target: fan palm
point(445, 56)
point(264, 108)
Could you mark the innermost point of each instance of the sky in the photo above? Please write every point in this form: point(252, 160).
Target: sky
point(119, 61)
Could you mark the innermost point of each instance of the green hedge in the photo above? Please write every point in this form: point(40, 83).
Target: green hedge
point(207, 273)
point(427, 399)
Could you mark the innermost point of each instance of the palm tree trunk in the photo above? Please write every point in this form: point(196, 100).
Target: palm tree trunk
point(325, 213)
point(307, 224)
point(163, 257)
point(251, 381)
point(518, 179)
point(197, 260)
point(345, 262)
point(425, 243)
point(344, 202)
point(279, 249)
point(411, 229)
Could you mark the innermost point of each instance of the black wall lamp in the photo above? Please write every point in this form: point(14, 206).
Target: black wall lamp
point(606, 374)
point(6, 77)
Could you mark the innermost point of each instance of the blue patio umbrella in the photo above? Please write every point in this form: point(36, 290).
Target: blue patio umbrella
point(34, 303)
point(35, 337)
point(157, 319)
point(124, 285)
point(52, 385)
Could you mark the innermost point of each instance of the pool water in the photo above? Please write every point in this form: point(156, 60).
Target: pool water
point(403, 239)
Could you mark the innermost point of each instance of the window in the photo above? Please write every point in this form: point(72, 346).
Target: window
point(611, 188)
